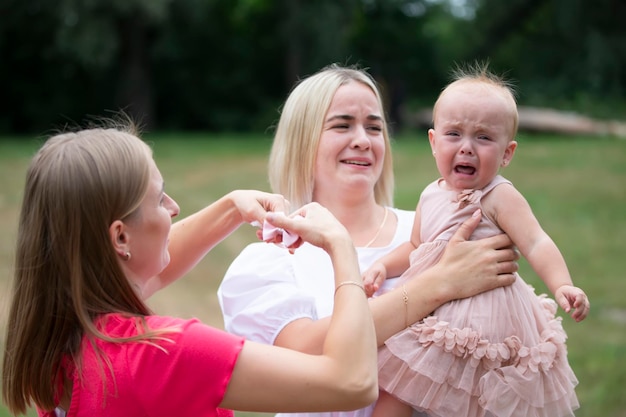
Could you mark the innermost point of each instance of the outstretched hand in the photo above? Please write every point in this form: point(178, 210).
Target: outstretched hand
point(254, 205)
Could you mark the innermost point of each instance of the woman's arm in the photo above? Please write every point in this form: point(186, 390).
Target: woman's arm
point(193, 237)
point(344, 376)
point(466, 268)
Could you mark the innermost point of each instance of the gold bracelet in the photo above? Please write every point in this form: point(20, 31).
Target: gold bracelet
point(405, 298)
point(358, 284)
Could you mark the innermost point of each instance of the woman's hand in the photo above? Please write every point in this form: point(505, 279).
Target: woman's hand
point(254, 205)
point(312, 223)
point(471, 267)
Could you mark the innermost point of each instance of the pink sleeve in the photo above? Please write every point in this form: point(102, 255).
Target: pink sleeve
point(192, 376)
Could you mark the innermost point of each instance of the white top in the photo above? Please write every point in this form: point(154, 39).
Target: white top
point(266, 288)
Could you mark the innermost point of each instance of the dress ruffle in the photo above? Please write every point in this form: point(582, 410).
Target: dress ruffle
point(468, 343)
point(451, 371)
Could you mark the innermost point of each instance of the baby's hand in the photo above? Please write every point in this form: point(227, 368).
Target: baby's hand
point(374, 277)
point(573, 300)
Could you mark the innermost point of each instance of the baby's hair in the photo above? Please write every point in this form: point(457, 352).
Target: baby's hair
point(479, 71)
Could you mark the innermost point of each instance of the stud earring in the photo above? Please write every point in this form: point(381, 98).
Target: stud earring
point(127, 256)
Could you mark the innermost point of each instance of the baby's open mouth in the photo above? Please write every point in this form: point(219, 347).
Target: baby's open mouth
point(465, 169)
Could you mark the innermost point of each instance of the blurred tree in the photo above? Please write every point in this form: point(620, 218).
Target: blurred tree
point(569, 53)
point(315, 34)
point(32, 71)
point(219, 65)
point(115, 36)
point(228, 65)
point(76, 52)
point(393, 39)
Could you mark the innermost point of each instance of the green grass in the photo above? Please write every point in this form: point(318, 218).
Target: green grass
point(576, 186)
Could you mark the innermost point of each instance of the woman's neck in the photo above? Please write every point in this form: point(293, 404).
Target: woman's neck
point(364, 220)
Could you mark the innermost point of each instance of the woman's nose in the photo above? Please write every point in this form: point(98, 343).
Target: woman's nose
point(172, 206)
point(361, 140)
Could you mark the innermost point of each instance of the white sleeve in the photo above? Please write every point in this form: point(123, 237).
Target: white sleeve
point(258, 295)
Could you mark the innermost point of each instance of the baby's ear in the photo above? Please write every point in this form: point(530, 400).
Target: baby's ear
point(431, 139)
point(508, 153)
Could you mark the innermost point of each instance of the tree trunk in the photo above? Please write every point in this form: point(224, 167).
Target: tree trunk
point(134, 90)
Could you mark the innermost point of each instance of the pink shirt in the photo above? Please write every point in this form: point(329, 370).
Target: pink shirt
point(185, 378)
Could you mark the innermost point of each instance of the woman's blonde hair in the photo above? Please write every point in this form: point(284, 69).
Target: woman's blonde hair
point(66, 270)
point(293, 153)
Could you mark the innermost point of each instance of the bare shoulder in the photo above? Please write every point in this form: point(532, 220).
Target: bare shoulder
point(503, 199)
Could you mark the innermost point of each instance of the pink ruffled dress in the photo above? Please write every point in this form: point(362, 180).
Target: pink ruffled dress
point(500, 353)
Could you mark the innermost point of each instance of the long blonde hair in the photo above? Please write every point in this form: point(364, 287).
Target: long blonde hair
point(293, 153)
point(66, 271)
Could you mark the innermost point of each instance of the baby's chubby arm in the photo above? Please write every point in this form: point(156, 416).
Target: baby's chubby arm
point(509, 209)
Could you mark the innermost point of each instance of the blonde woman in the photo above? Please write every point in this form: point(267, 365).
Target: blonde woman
point(332, 147)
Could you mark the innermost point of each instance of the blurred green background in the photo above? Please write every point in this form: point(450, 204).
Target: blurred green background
point(227, 65)
point(207, 78)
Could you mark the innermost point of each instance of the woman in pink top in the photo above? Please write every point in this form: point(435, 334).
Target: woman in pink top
point(95, 239)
